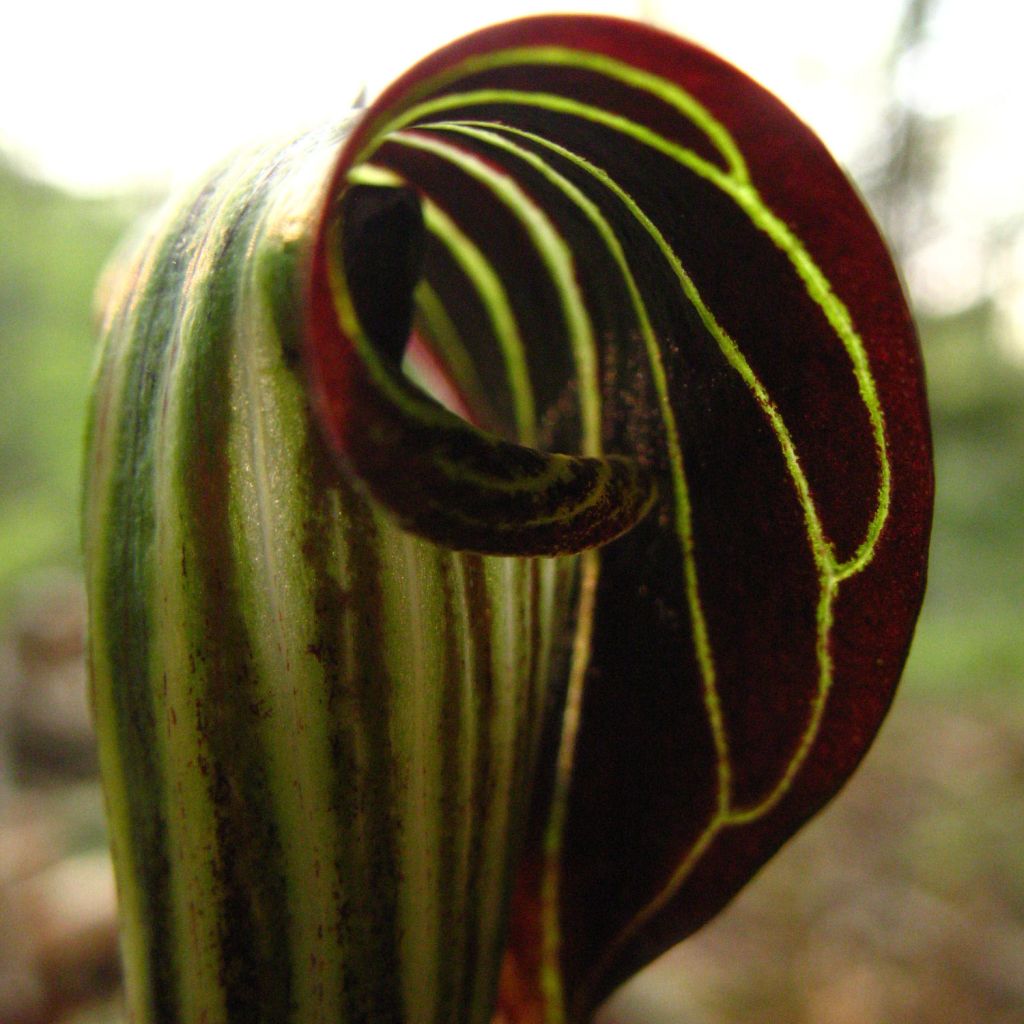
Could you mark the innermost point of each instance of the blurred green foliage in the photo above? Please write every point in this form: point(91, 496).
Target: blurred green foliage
point(971, 633)
point(53, 246)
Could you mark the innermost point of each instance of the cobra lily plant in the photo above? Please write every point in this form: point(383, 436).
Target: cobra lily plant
point(505, 521)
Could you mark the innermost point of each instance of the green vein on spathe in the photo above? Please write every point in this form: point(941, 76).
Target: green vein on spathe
point(593, 496)
point(487, 282)
point(561, 56)
point(824, 617)
point(557, 258)
point(724, 814)
point(819, 543)
point(479, 270)
point(683, 517)
point(684, 527)
point(437, 324)
point(838, 316)
point(739, 187)
point(492, 292)
point(735, 183)
point(551, 984)
point(683, 522)
point(418, 117)
point(742, 191)
point(822, 549)
point(830, 571)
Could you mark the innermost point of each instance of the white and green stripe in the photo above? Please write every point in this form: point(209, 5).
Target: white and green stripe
point(317, 731)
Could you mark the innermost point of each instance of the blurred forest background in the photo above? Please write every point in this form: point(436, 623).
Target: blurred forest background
point(902, 904)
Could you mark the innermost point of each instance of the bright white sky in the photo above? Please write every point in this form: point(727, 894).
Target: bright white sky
point(103, 94)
